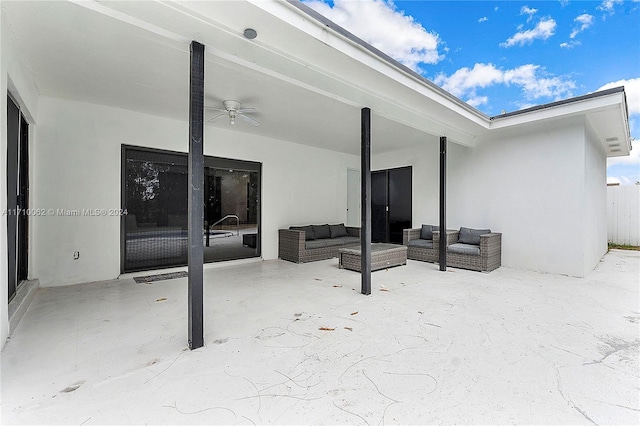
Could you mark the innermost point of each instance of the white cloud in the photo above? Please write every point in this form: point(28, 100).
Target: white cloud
point(483, 19)
point(608, 5)
point(585, 20)
point(532, 80)
point(570, 45)
point(632, 89)
point(526, 10)
point(379, 23)
point(476, 101)
point(543, 30)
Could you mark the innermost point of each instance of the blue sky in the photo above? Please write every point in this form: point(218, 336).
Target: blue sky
point(509, 55)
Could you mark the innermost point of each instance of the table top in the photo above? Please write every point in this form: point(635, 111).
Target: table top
point(375, 247)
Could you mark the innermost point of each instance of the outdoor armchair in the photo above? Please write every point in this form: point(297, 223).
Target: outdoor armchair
point(423, 243)
point(475, 249)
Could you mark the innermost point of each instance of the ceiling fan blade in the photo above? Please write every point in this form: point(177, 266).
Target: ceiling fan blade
point(215, 108)
point(217, 116)
point(249, 120)
point(246, 110)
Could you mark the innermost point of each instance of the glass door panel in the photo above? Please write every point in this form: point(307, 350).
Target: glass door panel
point(156, 199)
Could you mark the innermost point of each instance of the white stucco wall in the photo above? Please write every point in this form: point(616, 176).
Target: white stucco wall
point(4, 312)
point(542, 187)
point(78, 167)
point(14, 79)
point(595, 221)
point(529, 186)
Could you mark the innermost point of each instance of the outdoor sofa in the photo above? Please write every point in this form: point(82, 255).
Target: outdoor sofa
point(423, 243)
point(475, 249)
point(309, 243)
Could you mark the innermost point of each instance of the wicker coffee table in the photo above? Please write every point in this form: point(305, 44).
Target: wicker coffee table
point(382, 256)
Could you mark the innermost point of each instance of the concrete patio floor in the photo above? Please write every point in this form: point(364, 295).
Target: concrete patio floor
point(426, 347)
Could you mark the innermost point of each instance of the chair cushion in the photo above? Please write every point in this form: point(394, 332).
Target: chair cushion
point(420, 243)
point(426, 233)
point(338, 231)
point(471, 236)
point(308, 231)
point(321, 231)
point(460, 248)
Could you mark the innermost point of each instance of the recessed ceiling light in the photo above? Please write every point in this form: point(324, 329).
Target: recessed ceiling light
point(250, 33)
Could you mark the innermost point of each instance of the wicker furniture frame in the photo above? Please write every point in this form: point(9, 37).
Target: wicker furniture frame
point(425, 254)
point(291, 246)
point(490, 257)
point(382, 256)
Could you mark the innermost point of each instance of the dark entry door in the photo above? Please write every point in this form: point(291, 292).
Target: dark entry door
point(399, 203)
point(379, 203)
point(17, 196)
point(390, 204)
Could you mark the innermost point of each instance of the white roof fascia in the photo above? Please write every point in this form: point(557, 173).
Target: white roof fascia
point(573, 106)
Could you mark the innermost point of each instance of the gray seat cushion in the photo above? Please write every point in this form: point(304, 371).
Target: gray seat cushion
point(460, 248)
point(315, 244)
point(427, 244)
point(348, 240)
point(426, 233)
point(471, 236)
point(321, 231)
point(332, 242)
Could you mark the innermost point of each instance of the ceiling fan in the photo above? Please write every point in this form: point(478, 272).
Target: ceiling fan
point(234, 110)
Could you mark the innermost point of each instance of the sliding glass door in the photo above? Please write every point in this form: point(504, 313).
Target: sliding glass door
point(155, 195)
point(17, 197)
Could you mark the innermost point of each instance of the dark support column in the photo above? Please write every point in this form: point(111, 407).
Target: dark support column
point(365, 192)
point(443, 204)
point(196, 196)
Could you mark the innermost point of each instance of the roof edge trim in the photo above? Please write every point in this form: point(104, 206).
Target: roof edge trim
point(562, 102)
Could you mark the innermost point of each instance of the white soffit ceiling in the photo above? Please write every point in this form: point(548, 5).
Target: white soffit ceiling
point(98, 53)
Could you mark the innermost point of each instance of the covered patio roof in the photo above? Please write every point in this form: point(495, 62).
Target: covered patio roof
point(301, 72)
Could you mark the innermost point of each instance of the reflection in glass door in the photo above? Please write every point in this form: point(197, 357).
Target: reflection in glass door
point(156, 201)
point(230, 213)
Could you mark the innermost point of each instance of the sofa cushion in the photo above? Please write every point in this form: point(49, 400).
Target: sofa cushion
point(313, 244)
point(426, 233)
point(471, 236)
point(420, 243)
point(332, 242)
point(338, 231)
point(321, 231)
point(347, 240)
point(308, 231)
point(460, 248)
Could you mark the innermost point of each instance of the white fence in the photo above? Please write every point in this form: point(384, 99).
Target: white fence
point(623, 215)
